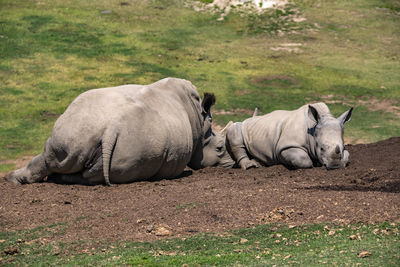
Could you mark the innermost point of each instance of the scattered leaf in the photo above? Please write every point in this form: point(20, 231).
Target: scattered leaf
point(352, 237)
point(10, 251)
point(364, 254)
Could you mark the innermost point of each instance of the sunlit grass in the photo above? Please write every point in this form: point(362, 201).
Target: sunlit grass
point(309, 245)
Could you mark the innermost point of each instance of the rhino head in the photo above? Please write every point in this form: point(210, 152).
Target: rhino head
point(328, 136)
point(213, 145)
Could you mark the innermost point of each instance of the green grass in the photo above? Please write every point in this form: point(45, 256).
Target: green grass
point(308, 245)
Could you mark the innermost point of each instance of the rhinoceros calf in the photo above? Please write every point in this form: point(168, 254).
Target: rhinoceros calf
point(303, 138)
point(129, 133)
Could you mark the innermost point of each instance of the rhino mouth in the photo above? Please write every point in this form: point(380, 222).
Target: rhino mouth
point(334, 166)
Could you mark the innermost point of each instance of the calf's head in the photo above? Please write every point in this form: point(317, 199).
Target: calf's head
point(213, 146)
point(328, 136)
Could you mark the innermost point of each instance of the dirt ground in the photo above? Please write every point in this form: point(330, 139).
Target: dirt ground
point(213, 200)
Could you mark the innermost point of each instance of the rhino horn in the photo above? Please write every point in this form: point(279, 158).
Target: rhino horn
point(337, 149)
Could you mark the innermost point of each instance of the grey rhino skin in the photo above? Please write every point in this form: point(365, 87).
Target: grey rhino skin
point(303, 138)
point(129, 133)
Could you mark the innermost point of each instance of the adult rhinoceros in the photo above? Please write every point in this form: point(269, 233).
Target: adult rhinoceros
point(129, 133)
point(303, 138)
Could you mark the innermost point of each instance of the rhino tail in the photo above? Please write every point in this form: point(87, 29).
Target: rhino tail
point(108, 144)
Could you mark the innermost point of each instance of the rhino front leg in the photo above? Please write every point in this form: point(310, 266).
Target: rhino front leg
point(236, 148)
point(34, 172)
point(296, 158)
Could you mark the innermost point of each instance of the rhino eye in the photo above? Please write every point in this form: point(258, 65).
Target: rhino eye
point(219, 147)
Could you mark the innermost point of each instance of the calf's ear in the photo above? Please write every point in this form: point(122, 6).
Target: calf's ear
point(313, 114)
point(208, 101)
point(345, 117)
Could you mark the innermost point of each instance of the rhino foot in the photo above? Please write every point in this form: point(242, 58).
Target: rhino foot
point(248, 163)
point(11, 177)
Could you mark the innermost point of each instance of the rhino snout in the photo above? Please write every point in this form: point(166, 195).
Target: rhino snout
point(338, 160)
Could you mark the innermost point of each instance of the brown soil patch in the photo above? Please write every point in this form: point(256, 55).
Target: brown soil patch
point(213, 200)
point(233, 111)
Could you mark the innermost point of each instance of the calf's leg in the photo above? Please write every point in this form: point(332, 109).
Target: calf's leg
point(236, 148)
point(296, 158)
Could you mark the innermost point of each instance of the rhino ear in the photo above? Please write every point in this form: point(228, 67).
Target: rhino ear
point(208, 101)
point(223, 131)
point(345, 117)
point(255, 113)
point(313, 114)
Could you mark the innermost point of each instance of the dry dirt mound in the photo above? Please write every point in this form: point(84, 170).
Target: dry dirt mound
point(213, 200)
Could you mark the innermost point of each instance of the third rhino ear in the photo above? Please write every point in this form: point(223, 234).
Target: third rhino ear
point(346, 116)
point(223, 131)
point(313, 114)
point(208, 102)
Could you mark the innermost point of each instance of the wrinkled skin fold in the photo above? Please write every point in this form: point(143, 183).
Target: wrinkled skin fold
point(303, 138)
point(129, 133)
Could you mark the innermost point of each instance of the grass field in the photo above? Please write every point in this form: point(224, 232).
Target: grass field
point(345, 53)
point(308, 245)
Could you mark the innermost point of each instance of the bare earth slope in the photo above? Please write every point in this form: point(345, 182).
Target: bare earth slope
point(213, 200)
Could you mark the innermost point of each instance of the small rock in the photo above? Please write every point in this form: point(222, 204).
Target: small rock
point(140, 220)
point(162, 231)
point(150, 228)
point(364, 254)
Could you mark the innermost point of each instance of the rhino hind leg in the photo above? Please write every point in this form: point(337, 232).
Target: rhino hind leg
point(34, 172)
point(91, 175)
point(296, 158)
point(237, 149)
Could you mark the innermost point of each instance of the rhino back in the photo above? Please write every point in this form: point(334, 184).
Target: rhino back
point(266, 136)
